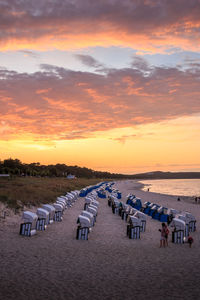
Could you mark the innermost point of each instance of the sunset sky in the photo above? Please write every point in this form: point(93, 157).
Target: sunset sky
point(110, 85)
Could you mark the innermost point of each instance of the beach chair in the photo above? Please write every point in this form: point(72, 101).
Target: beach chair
point(58, 216)
point(83, 227)
point(109, 201)
point(143, 226)
point(115, 206)
point(125, 211)
point(83, 192)
point(101, 193)
point(120, 210)
point(43, 219)
point(179, 231)
point(93, 211)
point(153, 210)
point(58, 212)
point(82, 233)
point(183, 218)
point(133, 232)
point(41, 224)
point(25, 229)
point(142, 217)
point(119, 195)
point(192, 226)
point(51, 210)
point(178, 236)
point(90, 216)
point(28, 227)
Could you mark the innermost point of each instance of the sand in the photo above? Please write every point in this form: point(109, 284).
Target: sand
point(54, 265)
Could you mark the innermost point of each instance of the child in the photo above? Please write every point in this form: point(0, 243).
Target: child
point(190, 241)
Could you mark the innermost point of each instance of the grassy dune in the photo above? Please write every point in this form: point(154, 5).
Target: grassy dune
point(18, 192)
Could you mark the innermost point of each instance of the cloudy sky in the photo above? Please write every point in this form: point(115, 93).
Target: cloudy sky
point(111, 85)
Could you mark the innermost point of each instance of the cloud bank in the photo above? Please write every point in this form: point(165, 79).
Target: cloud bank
point(147, 25)
point(61, 104)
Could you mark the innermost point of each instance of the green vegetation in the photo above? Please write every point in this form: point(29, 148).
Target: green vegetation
point(17, 192)
point(33, 184)
point(17, 168)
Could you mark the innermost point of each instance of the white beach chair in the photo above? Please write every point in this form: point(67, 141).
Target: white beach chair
point(179, 231)
point(28, 227)
point(43, 219)
point(83, 227)
point(51, 210)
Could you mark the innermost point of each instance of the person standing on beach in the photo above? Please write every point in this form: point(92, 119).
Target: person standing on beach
point(190, 241)
point(166, 234)
point(163, 239)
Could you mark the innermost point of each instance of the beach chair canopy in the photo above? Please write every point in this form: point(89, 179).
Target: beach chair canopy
point(89, 215)
point(189, 216)
point(135, 221)
point(84, 221)
point(92, 210)
point(42, 213)
point(95, 203)
point(58, 207)
point(132, 210)
point(140, 215)
point(178, 224)
point(173, 212)
point(61, 201)
point(49, 208)
point(29, 217)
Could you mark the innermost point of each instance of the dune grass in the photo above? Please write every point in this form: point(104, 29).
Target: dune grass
point(25, 191)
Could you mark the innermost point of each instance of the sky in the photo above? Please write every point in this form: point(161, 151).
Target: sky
point(110, 85)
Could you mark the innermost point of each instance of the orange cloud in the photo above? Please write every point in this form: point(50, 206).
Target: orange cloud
point(62, 104)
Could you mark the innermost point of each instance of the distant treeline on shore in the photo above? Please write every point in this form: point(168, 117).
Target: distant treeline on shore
point(16, 168)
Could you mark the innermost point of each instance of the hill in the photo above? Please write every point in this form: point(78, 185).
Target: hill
point(167, 175)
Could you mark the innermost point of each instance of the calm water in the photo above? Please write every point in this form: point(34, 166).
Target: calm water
point(180, 187)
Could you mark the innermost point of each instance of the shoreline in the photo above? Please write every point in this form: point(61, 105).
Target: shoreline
point(141, 187)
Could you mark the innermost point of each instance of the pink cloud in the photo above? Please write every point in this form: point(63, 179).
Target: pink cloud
point(62, 104)
point(153, 24)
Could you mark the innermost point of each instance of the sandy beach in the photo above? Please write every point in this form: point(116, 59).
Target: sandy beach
point(54, 265)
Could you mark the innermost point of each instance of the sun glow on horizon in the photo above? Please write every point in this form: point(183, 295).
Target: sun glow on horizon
point(156, 146)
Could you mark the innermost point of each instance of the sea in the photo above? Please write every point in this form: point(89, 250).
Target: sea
point(177, 187)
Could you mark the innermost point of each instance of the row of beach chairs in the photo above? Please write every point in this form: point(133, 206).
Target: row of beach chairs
point(135, 218)
point(87, 218)
point(47, 214)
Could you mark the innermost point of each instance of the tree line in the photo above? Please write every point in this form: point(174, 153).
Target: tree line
point(16, 168)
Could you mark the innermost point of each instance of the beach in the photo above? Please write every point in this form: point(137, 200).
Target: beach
point(54, 265)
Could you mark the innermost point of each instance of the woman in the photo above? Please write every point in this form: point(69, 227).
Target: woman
point(164, 235)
